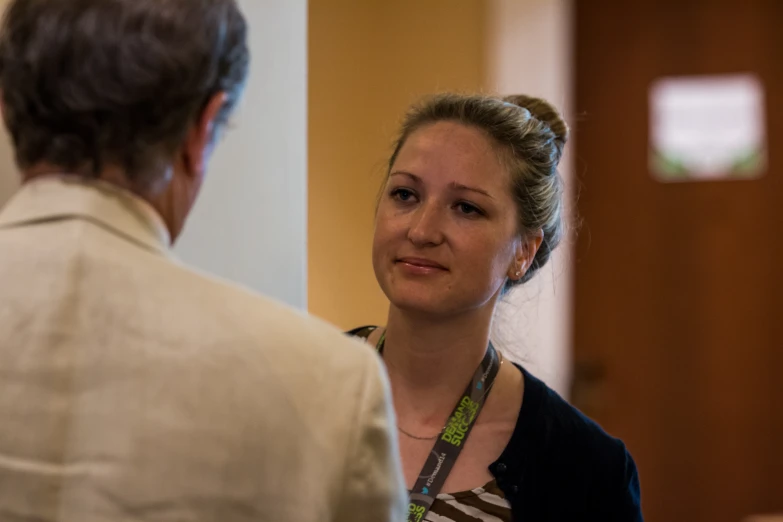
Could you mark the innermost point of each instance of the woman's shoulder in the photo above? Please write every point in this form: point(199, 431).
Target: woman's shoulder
point(362, 332)
point(369, 333)
point(562, 422)
point(575, 453)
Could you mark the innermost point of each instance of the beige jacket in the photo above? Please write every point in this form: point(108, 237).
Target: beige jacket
point(135, 389)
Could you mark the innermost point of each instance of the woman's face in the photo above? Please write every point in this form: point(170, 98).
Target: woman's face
point(446, 233)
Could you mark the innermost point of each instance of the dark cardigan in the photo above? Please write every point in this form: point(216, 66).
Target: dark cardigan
point(561, 466)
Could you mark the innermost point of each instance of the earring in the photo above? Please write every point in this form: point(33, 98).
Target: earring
point(518, 273)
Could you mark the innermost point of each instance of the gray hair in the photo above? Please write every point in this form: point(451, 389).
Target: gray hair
point(90, 83)
point(531, 135)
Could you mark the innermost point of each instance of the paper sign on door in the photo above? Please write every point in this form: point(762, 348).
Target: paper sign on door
point(707, 128)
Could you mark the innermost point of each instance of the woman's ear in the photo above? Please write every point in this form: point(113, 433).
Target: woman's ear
point(525, 253)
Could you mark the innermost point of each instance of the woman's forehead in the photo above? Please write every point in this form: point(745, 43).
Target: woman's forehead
point(452, 152)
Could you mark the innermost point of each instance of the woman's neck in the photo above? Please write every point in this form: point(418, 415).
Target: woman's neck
point(430, 362)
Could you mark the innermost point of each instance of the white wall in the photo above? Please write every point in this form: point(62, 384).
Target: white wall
point(529, 52)
point(250, 222)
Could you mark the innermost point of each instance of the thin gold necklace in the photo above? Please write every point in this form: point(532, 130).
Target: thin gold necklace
point(411, 435)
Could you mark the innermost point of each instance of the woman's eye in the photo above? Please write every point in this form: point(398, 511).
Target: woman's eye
point(468, 209)
point(402, 194)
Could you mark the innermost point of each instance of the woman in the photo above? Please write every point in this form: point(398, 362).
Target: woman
point(472, 206)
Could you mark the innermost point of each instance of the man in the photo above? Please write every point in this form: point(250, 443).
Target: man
point(132, 388)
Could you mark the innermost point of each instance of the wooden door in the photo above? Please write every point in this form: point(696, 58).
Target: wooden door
point(679, 286)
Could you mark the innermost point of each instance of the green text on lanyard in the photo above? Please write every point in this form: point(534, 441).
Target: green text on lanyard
point(450, 441)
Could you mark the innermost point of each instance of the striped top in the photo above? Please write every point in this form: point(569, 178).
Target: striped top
point(487, 504)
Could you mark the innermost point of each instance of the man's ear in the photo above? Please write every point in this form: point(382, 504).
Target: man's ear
point(201, 136)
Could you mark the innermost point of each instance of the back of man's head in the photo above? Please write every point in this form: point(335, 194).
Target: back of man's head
point(88, 84)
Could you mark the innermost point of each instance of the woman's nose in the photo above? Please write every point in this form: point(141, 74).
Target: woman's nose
point(426, 227)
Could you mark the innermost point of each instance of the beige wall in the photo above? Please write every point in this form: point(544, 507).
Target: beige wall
point(368, 61)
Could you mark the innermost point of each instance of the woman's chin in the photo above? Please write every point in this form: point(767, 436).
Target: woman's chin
point(421, 298)
point(424, 305)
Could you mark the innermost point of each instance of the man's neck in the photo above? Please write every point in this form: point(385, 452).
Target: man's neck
point(158, 201)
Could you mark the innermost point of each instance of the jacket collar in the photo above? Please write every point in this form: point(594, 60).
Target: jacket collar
point(55, 198)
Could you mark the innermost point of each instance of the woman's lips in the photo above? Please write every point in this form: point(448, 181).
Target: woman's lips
point(420, 266)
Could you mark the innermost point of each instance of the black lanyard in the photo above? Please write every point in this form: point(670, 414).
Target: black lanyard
point(450, 441)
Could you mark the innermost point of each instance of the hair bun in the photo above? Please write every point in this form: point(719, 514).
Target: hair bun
point(543, 111)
